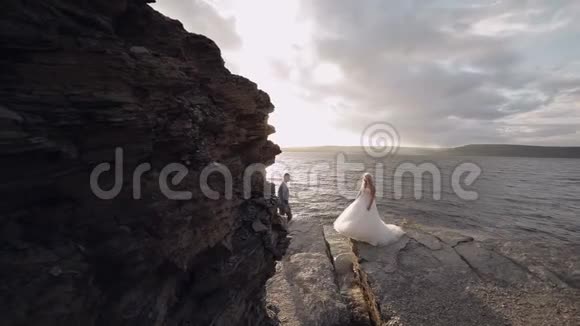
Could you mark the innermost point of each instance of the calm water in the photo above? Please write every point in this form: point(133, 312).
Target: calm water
point(529, 199)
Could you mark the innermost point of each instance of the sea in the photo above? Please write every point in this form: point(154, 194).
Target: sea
point(532, 201)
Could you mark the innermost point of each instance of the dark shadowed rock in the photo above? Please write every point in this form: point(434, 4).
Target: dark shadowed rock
point(80, 79)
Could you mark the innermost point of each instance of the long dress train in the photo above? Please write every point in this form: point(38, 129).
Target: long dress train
point(358, 223)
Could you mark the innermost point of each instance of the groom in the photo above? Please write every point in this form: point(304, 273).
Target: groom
point(284, 195)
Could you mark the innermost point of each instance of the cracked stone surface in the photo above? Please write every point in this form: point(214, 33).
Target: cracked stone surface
point(446, 278)
point(304, 289)
point(346, 268)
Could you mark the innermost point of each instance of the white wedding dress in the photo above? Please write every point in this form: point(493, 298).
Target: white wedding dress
point(356, 222)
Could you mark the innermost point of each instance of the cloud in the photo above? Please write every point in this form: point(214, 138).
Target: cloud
point(198, 16)
point(448, 72)
point(443, 72)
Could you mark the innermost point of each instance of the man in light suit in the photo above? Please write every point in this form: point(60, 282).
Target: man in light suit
point(284, 195)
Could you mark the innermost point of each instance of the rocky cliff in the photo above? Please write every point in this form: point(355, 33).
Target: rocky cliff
point(81, 79)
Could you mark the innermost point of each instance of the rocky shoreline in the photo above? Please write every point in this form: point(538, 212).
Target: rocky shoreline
point(428, 277)
point(81, 79)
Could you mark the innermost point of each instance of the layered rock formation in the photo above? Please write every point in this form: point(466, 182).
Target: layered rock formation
point(82, 78)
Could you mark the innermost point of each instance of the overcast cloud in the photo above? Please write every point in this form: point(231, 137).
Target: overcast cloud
point(444, 73)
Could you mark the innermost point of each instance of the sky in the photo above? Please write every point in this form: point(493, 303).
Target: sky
point(440, 73)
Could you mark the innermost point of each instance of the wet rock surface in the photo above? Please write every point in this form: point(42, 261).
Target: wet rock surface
point(80, 79)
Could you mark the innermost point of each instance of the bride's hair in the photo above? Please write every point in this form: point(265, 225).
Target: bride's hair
point(368, 183)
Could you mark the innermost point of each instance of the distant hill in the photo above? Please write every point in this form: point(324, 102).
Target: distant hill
point(359, 149)
point(515, 151)
point(467, 150)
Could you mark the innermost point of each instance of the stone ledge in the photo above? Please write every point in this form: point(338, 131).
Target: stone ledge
point(445, 278)
point(347, 276)
point(304, 289)
point(428, 277)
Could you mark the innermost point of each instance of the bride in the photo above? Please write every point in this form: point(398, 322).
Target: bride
point(361, 220)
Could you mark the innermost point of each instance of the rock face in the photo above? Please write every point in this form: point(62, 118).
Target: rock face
point(82, 78)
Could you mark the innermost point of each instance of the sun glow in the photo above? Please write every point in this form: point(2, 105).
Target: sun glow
point(327, 73)
point(332, 68)
point(275, 49)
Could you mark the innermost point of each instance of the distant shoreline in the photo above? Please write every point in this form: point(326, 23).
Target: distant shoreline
point(499, 150)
